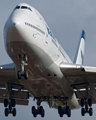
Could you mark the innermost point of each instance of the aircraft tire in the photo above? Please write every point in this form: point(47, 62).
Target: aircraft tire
point(82, 111)
point(90, 111)
point(35, 114)
point(43, 113)
point(13, 102)
point(6, 112)
point(90, 102)
point(5, 103)
point(26, 74)
point(59, 109)
point(68, 111)
point(14, 112)
point(33, 109)
point(82, 102)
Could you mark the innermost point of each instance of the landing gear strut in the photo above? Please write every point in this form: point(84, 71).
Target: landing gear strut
point(23, 73)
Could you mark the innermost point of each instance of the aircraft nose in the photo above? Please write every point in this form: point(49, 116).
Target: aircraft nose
point(15, 21)
point(14, 28)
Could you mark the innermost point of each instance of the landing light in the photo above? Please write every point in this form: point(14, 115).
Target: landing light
point(1, 67)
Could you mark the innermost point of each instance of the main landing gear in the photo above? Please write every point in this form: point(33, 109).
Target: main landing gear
point(23, 63)
point(61, 110)
point(65, 110)
point(11, 104)
point(39, 110)
point(87, 103)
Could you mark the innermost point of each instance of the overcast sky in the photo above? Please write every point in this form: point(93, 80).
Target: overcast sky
point(66, 19)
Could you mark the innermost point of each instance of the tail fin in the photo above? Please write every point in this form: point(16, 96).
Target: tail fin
point(80, 50)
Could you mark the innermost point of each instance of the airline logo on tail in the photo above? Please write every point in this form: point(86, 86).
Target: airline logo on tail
point(79, 58)
point(82, 56)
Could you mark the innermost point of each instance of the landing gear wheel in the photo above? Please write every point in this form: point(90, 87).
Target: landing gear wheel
point(6, 112)
point(14, 112)
point(82, 102)
point(26, 74)
point(68, 111)
point(19, 75)
point(41, 110)
point(5, 103)
point(33, 109)
point(13, 102)
point(90, 111)
point(61, 114)
point(59, 109)
point(35, 114)
point(82, 111)
point(90, 102)
point(43, 113)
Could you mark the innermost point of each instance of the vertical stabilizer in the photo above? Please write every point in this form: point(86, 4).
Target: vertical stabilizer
point(80, 50)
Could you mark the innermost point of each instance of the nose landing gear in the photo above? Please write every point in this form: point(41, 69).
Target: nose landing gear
point(23, 73)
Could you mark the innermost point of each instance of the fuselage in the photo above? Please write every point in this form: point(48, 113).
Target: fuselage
point(27, 33)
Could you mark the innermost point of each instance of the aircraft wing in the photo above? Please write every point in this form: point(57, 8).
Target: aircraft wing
point(7, 76)
point(79, 75)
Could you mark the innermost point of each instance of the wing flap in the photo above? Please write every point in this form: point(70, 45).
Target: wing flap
point(18, 102)
point(16, 94)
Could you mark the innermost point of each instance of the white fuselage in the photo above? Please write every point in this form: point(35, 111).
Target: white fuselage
point(26, 32)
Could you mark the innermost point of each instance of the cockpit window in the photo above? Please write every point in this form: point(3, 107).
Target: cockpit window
point(17, 7)
point(30, 9)
point(24, 7)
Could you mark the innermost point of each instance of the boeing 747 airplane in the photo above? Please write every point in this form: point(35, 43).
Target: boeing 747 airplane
point(41, 68)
